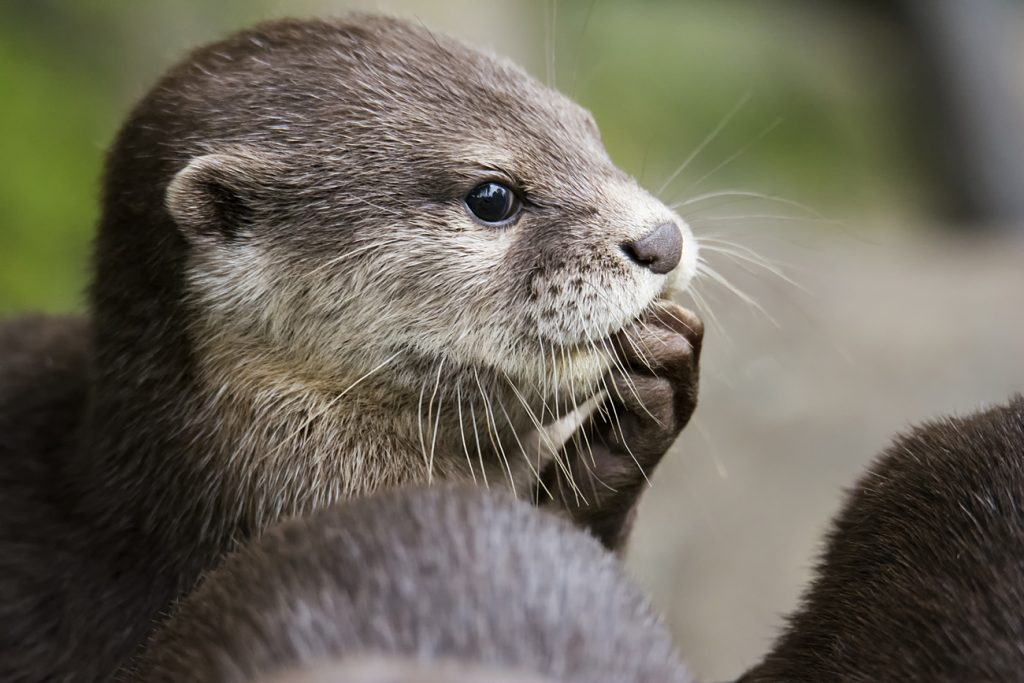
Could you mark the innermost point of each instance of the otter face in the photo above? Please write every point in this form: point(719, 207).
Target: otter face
point(353, 191)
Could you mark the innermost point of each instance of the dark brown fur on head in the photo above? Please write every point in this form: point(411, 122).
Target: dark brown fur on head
point(445, 578)
point(923, 575)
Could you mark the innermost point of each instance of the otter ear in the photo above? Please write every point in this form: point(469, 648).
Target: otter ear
point(216, 195)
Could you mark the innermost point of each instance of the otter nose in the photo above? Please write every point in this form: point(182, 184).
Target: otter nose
point(659, 250)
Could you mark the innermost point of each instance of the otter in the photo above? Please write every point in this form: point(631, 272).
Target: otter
point(334, 256)
point(444, 582)
point(922, 578)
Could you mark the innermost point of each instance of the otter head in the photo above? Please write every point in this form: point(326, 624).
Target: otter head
point(351, 192)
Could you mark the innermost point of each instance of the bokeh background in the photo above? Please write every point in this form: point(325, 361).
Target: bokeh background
point(858, 165)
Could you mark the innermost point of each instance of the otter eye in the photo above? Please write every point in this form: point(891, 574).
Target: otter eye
point(493, 202)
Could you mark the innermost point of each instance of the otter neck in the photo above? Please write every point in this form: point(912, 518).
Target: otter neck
point(221, 449)
point(297, 441)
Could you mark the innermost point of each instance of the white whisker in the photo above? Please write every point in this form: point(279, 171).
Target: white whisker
point(711, 136)
point(737, 154)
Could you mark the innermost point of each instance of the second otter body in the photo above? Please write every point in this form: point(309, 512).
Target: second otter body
point(922, 578)
point(334, 257)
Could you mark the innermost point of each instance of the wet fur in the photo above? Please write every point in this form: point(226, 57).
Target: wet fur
point(436, 576)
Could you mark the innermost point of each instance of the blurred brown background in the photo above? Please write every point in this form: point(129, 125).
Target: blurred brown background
point(873, 152)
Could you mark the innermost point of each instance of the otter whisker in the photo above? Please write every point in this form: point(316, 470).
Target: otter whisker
point(617, 363)
point(371, 372)
point(702, 303)
point(574, 82)
point(550, 39)
point(538, 425)
point(707, 140)
point(576, 488)
point(462, 429)
point(637, 350)
point(437, 419)
point(580, 432)
point(643, 324)
point(567, 360)
point(593, 479)
point(554, 364)
point(543, 377)
point(380, 208)
point(327, 406)
point(522, 450)
point(736, 218)
point(419, 423)
point(577, 445)
point(541, 436)
point(712, 450)
point(744, 195)
point(719, 240)
point(476, 437)
point(492, 429)
point(294, 435)
point(597, 408)
point(541, 432)
point(740, 253)
point(737, 154)
point(602, 408)
point(623, 371)
point(704, 269)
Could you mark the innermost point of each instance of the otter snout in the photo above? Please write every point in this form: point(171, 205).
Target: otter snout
point(659, 251)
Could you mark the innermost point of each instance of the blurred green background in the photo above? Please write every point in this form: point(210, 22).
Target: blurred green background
point(822, 122)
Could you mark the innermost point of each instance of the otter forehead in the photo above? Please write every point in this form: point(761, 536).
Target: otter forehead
point(381, 90)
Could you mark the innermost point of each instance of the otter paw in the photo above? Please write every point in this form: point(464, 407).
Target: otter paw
point(651, 395)
point(653, 389)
